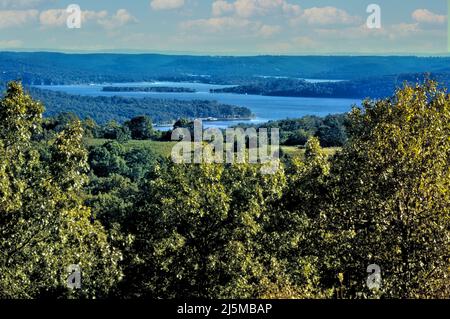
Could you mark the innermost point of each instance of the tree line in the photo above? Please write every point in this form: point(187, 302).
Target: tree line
point(104, 108)
point(375, 86)
point(50, 68)
point(330, 130)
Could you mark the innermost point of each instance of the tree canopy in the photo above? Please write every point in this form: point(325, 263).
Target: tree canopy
point(44, 225)
point(141, 226)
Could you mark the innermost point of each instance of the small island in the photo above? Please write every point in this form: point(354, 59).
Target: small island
point(154, 89)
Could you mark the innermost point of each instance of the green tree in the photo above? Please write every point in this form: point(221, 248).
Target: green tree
point(141, 128)
point(111, 198)
point(114, 131)
point(297, 223)
point(44, 226)
point(390, 201)
point(332, 132)
point(298, 137)
point(90, 128)
point(108, 159)
point(183, 123)
point(198, 233)
point(115, 158)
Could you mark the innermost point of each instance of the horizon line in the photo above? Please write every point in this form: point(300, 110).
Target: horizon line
point(224, 54)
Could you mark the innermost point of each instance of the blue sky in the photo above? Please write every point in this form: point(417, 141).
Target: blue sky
point(239, 27)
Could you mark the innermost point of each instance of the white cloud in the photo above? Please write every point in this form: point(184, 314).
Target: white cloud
point(293, 9)
point(249, 8)
point(121, 18)
point(426, 16)
point(221, 7)
point(216, 24)
point(96, 16)
point(53, 17)
point(327, 16)
point(406, 28)
point(313, 16)
point(166, 4)
point(241, 27)
point(16, 18)
point(409, 31)
point(269, 30)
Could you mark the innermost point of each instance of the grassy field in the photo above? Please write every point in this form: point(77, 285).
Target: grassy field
point(294, 151)
point(165, 148)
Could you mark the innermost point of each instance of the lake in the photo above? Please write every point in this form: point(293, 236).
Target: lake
point(265, 108)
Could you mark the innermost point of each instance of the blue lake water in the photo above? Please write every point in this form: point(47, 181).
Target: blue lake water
point(265, 108)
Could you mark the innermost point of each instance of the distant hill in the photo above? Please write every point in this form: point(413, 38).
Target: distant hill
point(365, 76)
point(372, 87)
point(59, 68)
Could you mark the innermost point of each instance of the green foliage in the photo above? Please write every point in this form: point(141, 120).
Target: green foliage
point(390, 201)
point(198, 232)
point(115, 158)
point(298, 224)
point(183, 123)
point(44, 226)
point(226, 231)
point(330, 130)
point(333, 131)
point(114, 131)
point(141, 128)
point(107, 108)
point(161, 149)
point(111, 198)
point(19, 115)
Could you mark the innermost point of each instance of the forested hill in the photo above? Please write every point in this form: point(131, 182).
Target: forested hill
point(103, 109)
point(374, 87)
point(58, 68)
